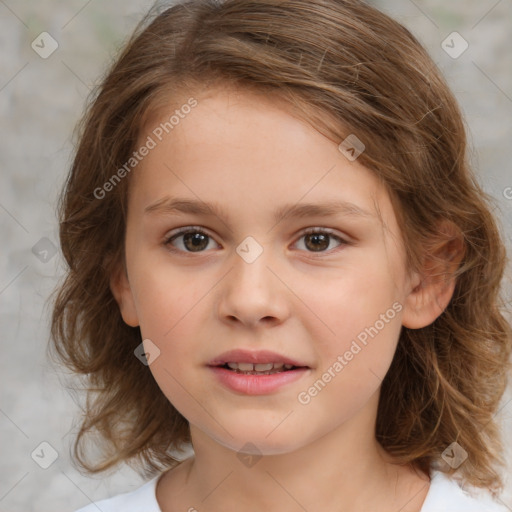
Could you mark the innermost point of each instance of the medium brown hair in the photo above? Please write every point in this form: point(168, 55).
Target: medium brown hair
point(349, 69)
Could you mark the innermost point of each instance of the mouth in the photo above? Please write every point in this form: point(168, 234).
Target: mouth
point(259, 368)
point(256, 362)
point(259, 378)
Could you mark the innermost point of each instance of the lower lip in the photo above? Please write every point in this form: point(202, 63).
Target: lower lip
point(257, 384)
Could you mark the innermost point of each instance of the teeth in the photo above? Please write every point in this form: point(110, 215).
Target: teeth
point(263, 367)
point(246, 367)
point(259, 367)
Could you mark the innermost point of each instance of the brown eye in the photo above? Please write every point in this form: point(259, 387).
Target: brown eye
point(193, 240)
point(317, 240)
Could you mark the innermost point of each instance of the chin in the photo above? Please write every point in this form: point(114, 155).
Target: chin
point(257, 441)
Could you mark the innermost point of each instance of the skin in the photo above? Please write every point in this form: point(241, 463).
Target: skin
point(251, 154)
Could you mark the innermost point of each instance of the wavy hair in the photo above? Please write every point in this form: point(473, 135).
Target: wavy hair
point(348, 68)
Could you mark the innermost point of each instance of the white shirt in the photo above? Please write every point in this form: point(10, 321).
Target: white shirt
point(444, 495)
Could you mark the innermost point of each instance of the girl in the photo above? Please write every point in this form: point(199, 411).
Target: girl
point(279, 257)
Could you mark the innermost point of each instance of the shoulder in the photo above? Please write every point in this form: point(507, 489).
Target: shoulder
point(446, 495)
point(142, 499)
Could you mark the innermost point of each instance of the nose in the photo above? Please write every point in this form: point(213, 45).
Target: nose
point(253, 293)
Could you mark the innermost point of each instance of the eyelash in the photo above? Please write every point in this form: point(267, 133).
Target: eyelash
point(196, 229)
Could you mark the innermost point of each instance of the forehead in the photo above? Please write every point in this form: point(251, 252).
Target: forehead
point(243, 144)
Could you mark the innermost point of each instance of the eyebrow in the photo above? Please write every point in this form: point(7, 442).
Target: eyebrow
point(168, 205)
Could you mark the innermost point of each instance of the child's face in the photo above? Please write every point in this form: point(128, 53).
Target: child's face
point(251, 157)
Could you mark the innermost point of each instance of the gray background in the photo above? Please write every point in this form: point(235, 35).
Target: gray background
point(40, 102)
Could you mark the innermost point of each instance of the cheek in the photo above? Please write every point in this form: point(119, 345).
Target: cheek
point(354, 361)
point(346, 302)
point(167, 300)
point(171, 322)
point(360, 317)
point(169, 305)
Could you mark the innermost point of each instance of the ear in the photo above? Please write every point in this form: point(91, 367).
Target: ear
point(120, 288)
point(432, 288)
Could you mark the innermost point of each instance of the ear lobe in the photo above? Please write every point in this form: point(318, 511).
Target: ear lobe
point(433, 288)
point(121, 290)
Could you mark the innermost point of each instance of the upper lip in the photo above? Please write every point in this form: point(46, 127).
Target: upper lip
point(255, 357)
